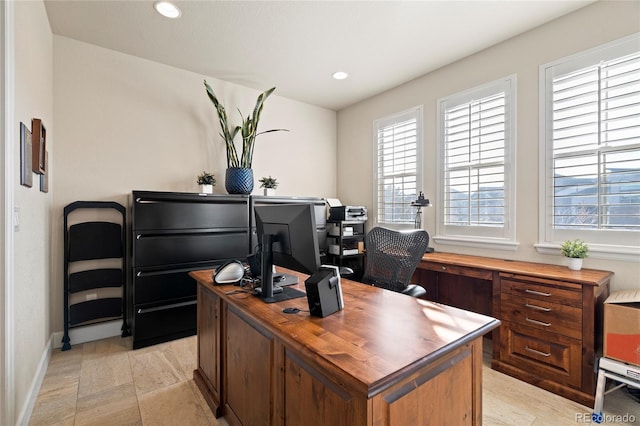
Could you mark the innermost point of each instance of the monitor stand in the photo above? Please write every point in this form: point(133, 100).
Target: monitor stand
point(280, 294)
point(273, 282)
point(283, 280)
point(279, 281)
point(258, 290)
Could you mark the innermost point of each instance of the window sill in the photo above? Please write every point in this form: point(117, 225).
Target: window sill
point(487, 243)
point(597, 251)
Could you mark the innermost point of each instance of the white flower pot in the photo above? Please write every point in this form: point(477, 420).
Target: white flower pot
point(206, 189)
point(269, 191)
point(575, 263)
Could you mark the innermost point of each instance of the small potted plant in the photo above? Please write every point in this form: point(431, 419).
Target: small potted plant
point(206, 182)
point(269, 184)
point(575, 250)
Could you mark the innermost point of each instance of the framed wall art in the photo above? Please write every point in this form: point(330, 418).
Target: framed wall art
point(39, 145)
point(44, 177)
point(26, 166)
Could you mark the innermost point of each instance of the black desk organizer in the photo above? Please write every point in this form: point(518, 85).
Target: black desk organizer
point(93, 241)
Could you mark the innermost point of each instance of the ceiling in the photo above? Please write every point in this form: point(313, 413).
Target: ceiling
point(297, 45)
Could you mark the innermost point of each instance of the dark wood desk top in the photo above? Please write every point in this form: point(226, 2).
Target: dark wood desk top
point(556, 272)
point(379, 337)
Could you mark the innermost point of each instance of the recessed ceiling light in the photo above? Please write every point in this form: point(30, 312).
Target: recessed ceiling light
point(167, 9)
point(340, 75)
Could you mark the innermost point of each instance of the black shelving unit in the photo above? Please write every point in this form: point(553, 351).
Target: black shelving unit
point(345, 244)
point(91, 249)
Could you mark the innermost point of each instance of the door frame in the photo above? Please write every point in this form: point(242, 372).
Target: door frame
point(7, 100)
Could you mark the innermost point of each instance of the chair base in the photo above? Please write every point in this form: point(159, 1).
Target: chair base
point(415, 290)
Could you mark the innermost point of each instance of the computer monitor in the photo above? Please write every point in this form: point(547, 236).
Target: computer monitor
point(287, 237)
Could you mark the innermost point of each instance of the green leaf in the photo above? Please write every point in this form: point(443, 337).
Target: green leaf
point(248, 130)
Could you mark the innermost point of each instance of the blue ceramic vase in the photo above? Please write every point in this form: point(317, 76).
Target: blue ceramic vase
point(239, 180)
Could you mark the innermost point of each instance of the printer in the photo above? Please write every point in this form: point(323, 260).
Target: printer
point(356, 213)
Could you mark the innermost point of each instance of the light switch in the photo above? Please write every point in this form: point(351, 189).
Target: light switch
point(16, 219)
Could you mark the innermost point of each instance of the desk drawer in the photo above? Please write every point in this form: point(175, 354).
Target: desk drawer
point(160, 323)
point(482, 274)
point(159, 286)
point(164, 249)
point(542, 315)
point(547, 293)
point(153, 211)
point(550, 356)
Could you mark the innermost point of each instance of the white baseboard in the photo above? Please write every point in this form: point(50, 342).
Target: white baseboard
point(34, 389)
point(89, 333)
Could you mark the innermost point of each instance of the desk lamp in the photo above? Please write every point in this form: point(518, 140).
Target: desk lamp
point(420, 203)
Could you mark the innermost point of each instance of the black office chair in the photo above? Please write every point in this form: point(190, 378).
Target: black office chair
point(392, 257)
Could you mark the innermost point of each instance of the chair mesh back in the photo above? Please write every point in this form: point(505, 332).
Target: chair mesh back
point(393, 256)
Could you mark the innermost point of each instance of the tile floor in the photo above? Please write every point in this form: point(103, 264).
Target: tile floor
point(107, 383)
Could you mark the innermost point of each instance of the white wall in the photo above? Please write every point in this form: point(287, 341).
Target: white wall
point(591, 26)
point(125, 123)
point(31, 287)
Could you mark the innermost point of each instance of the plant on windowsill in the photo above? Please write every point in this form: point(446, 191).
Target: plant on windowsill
point(239, 175)
point(269, 184)
point(206, 182)
point(575, 250)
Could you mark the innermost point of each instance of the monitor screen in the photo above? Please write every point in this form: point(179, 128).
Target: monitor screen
point(288, 238)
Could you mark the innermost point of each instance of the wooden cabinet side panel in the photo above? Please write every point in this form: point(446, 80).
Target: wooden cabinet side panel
point(592, 332)
point(249, 369)
point(207, 375)
point(209, 337)
point(447, 392)
point(311, 398)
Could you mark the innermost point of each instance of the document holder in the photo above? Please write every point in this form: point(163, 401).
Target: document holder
point(324, 293)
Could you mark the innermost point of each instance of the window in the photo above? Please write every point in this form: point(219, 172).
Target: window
point(591, 129)
point(476, 148)
point(398, 166)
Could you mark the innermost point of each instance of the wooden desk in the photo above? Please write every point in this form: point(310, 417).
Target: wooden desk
point(551, 316)
point(385, 359)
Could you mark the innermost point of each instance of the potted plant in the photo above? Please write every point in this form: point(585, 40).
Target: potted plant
point(269, 184)
point(206, 182)
point(239, 175)
point(575, 250)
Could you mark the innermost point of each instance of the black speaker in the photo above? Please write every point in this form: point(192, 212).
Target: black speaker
point(324, 293)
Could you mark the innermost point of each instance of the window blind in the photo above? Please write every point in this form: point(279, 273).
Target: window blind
point(474, 156)
point(596, 146)
point(398, 140)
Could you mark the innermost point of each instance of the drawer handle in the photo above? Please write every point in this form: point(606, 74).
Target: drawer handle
point(546, 324)
point(537, 308)
point(165, 307)
point(537, 352)
point(444, 268)
point(537, 293)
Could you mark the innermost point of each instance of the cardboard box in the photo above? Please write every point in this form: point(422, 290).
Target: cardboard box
point(622, 326)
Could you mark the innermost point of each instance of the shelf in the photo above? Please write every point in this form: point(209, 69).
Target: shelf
point(338, 242)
